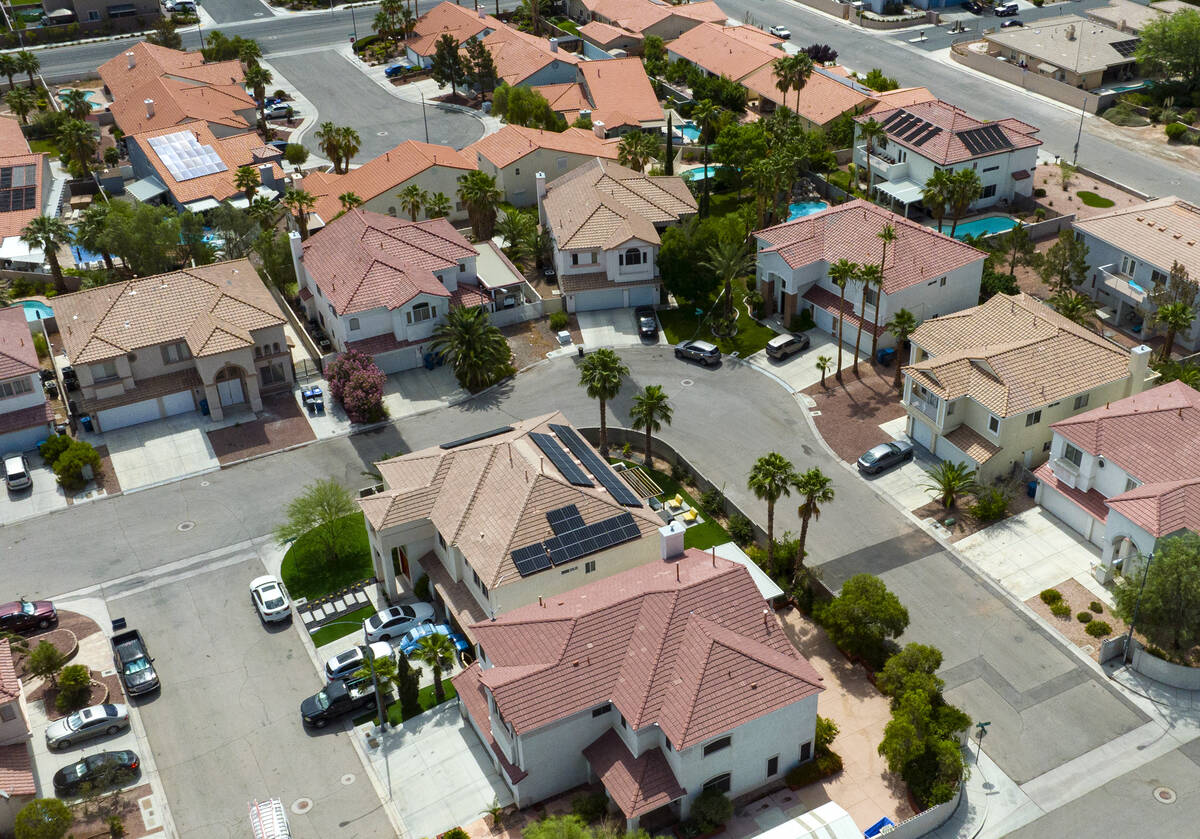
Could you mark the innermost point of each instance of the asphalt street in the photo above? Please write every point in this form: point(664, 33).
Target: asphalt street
point(227, 11)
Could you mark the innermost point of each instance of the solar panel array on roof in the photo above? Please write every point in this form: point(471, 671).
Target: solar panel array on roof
point(531, 559)
point(560, 459)
point(1126, 48)
point(564, 519)
point(475, 438)
point(185, 158)
point(573, 540)
point(985, 139)
point(18, 188)
point(600, 470)
point(911, 129)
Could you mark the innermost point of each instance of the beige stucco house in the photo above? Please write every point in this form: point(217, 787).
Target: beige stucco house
point(16, 764)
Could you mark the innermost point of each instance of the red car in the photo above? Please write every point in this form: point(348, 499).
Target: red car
point(27, 615)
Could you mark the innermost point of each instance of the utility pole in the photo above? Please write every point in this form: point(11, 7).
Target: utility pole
point(1079, 135)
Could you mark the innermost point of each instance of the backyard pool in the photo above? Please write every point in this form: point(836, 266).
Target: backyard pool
point(35, 310)
point(89, 95)
point(690, 132)
point(697, 174)
point(805, 208)
point(82, 255)
point(985, 226)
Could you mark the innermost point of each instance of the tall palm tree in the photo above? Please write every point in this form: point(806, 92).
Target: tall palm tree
point(437, 205)
point(436, 652)
point(249, 52)
point(478, 191)
point(412, 199)
point(871, 276)
point(21, 102)
point(948, 480)
point(247, 179)
point(91, 232)
point(703, 115)
point(75, 103)
point(76, 139)
point(327, 142)
point(28, 63)
point(601, 374)
point(840, 274)
point(1075, 307)
point(263, 210)
point(349, 144)
point(792, 73)
point(257, 78)
point(901, 326)
point(764, 175)
point(729, 259)
point(888, 235)
point(349, 201)
point(871, 132)
point(299, 201)
point(1176, 317)
point(514, 227)
point(48, 233)
point(824, 365)
point(651, 408)
point(9, 67)
point(965, 189)
point(636, 150)
point(478, 353)
point(936, 195)
point(771, 478)
point(816, 489)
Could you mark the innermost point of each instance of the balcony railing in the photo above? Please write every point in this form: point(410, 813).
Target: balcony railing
point(884, 165)
point(928, 408)
point(1121, 284)
point(1065, 471)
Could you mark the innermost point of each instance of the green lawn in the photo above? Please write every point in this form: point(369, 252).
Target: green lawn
point(568, 25)
point(43, 147)
point(1094, 200)
point(700, 536)
point(426, 698)
point(348, 623)
point(307, 573)
point(682, 325)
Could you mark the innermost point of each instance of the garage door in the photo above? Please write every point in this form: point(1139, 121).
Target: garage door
point(1072, 515)
point(922, 433)
point(646, 295)
point(25, 439)
point(592, 301)
point(178, 403)
point(132, 414)
point(397, 360)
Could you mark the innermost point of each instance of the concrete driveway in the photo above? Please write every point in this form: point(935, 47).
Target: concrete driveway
point(162, 450)
point(417, 391)
point(614, 328)
point(800, 370)
point(44, 496)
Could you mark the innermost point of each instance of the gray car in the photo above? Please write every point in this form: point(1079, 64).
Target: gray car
point(700, 351)
point(90, 722)
point(885, 456)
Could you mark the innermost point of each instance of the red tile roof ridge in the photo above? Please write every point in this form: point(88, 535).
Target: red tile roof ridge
point(1169, 397)
point(17, 354)
point(10, 685)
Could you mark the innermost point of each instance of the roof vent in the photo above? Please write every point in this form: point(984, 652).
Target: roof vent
point(132, 59)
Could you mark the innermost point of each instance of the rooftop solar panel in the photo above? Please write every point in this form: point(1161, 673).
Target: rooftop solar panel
point(562, 462)
point(600, 470)
point(474, 438)
point(530, 559)
point(985, 139)
point(928, 135)
point(185, 158)
point(1126, 48)
point(565, 519)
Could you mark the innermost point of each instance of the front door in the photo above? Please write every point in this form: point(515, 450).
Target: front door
point(231, 392)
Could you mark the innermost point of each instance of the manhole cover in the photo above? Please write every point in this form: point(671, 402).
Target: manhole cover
point(185, 526)
point(380, 133)
point(687, 383)
point(1164, 795)
point(204, 483)
point(301, 806)
point(347, 779)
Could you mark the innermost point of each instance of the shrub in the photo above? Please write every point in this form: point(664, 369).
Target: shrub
point(421, 589)
point(741, 530)
point(43, 818)
point(1060, 610)
point(1051, 596)
point(74, 687)
point(1084, 617)
point(70, 463)
point(712, 502)
point(1098, 629)
point(1175, 130)
point(295, 154)
point(591, 807)
point(1169, 115)
point(1039, 213)
point(711, 809)
point(1096, 607)
point(1039, 193)
point(39, 345)
point(1188, 117)
point(45, 661)
point(680, 473)
point(826, 763)
point(990, 504)
point(54, 446)
point(827, 731)
point(801, 322)
point(559, 320)
point(357, 383)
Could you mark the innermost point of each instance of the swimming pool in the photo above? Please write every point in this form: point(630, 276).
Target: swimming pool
point(984, 226)
point(697, 174)
point(35, 310)
point(83, 255)
point(690, 132)
point(805, 208)
point(87, 94)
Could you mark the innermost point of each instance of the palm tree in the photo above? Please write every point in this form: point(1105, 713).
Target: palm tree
point(1176, 317)
point(771, 478)
point(870, 276)
point(48, 234)
point(650, 410)
point(257, 78)
point(514, 227)
point(91, 232)
point(764, 175)
point(729, 259)
point(28, 63)
point(948, 480)
point(703, 115)
point(636, 150)
point(349, 201)
point(8, 67)
point(792, 73)
point(965, 189)
point(436, 652)
point(76, 140)
point(299, 201)
point(412, 198)
point(888, 235)
point(247, 179)
point(477, 190)
point(1075, 307)
point(936, 195)
point(21, 102)
point(840, 274)
point(902, 324)
point(437, 205)
point(477, 351)
point(815, 487)
point(348, 145)
point(75, 103)
point(327, 141)
point(263, 210)
point(824, 365)
point(871, 132)
point(249, 52)
point(601, 374)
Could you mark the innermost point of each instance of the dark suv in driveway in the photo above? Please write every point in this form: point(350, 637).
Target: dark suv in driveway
point(700, 351)
point(27, 615)
point(647, 323)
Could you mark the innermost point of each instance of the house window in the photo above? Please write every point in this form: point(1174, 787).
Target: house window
point(272, 374)
point(7, 713)
point(574, 259)
point(772, 766)
point(1046, 446)
point(1072, 454)
point(872, 297)
point(632, 256)
point(561, 163)
point(805, 752)
point(1033, 419)
point(174, 353)
point(103, 371)
point(517, 170)
point(1128, 266)
point(1130, 484)
point(717, 745)
point(721, 783)
point(989, 191)
point(1158, 277)
point(589, 566)
point(1081, 401)
point(993, 425)
point(353, 325)
point(623, 723)
point(442, 541)
point(93, 14)
point(949, 409)
point(602, 710)
point(15, 387)
point(479, 583)
point(257, 352)
point(990, 168)
point(941, 282)
point(421, 312)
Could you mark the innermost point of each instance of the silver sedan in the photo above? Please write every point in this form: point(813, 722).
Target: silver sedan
point(90, 722)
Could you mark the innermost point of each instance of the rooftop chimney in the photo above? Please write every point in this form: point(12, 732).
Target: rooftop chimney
point(149, 108)
point(598, 128)
point(1071, 32)
point(540, 178)
point(132, 59)
point(1139, 363)
point(554, 45)
point(670, 538)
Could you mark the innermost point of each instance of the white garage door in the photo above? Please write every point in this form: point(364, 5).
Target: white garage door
point(922, 433)
point(397, 360)
point(25, 439)
point(132, 414)
point(1071, 515)
point(178, 403)
point(646, 295)
point(592, 301)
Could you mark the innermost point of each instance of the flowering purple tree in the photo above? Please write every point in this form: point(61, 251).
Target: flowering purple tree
point(357, 383)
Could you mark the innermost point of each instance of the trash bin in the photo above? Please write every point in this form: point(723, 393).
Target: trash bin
point(204, 407)
point(580, 350)
point(86, 422)
point(429, 362)
point(1031, 489)
point(886, 356)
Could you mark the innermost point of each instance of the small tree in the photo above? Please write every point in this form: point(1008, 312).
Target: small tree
point(74, 688)
point(824, 365)
point(323, 510)
point(1065, 173)
point(357, 383)
point(448, 63)
point(771, 478)
point(948, 480)
point(70, 464)
point(1065, 265)
point(1169, 612)
point(863, 617)
point(437, 653)
point(651, 408)
point(43, 818)
point(45, 661)
point(711, 809)
point(295, 154)
point(912, 668)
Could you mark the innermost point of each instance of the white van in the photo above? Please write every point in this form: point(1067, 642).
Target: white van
point(268, 820)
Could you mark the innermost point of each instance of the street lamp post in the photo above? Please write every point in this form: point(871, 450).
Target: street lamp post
point(1137, 605)
point(425, 118)
point(1079, 134)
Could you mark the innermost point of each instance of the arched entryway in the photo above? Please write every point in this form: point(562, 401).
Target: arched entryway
point(1125, 556)
point(231, 385)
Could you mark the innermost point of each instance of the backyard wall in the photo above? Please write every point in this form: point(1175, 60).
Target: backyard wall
point(1175, 675)
point(1012, 74)
point(928, 821)
point(1040, 230)
point(829, 7)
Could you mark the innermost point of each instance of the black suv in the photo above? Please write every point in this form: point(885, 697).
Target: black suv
point(647, 323)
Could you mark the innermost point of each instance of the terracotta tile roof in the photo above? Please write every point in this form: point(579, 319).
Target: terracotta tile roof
point(602, 205)
point(10, 685)
point(16, 770)
point(899, 98)
point(832, 303)
point(850, 231)
point(469, 687)
point(821, 100)
point(17, 355)
point(686, 645)
point(732, 51)
point(14, 151)
point(39, 414)
point(490, 497)
point(602, 35)
point(973, 444)
point(1161, 508)
point(519, 55)
point(947, 145)
point(1091, 502)
point(387, 342)
point(234, 151)
point(1012, 354)
point(639, 15)
point(638, 785)
point(212, 305)
point(448, 19)
point(365, 260)
point(459, 600)
point(620, 92)
point(566, 99)
point(575, 283)
point(1159, 232)
point(513, 142)
point(386, 173)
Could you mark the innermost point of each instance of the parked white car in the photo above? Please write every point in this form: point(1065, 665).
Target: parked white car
point(270, 599)
point(85, 724)
point(344, 665)
point(394, 621)
point(780, 32)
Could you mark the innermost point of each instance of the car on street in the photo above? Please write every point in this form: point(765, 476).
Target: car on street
point(394, 70)
point(1008, 24)
point(412, 638)
point(647, 323)
point(973, 7)
point(1006, 10)
point(334, 700)
point(344, 665)
point(394, 621)
point(700, 351)
point(26, 615)
point(781, 346)
point(16, 472)
point(134, 662)
point(270, 599)
point(87, 724)
point(780, 32)
point(101, 771)
point(885, 456)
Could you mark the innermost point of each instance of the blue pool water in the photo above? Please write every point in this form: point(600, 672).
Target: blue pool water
point(35, 310)
point(981, 226)
point(805, 208)
point(697, 174)
point(87, 94)
point(690, 132)
point(82, 254)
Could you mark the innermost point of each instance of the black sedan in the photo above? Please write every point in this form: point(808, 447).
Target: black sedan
point(885, 456)
point(101, 771)
point(700, 351)
point(647, 323)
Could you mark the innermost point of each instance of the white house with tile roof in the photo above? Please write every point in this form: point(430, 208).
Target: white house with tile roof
point(25, 418)
point(515, 154)
point(16, 760)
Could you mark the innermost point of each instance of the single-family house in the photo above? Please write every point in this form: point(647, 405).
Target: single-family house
point(1132, 250)
point(615, 94)
point(929, 136)
point(379, 181)
point(205, 338)
point(515, 154)
point(1069, 49)
point(93, 15)
point(25, 418)
point(659, 683)
point(610, 38)
point(382, 285)
point(926, 272)
point(1125, 474)
point(825, 96)
point(604, 222)
point(983, 386)
point(524, 59)
point(1128, 16)
point(446, 18)
point(501, 519)
point(24, 194)
point(734, 51)
point(17, 780)
point(647, 17)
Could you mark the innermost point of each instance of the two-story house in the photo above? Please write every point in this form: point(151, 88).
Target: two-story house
point(1134, 249)
point(647, 17)
point(206, 338)
point(515, 154)
point(925, 137)
point(446, 18)
point(475, 516)
point(524, 59)
point(25, 418)
point(659, 682)
point(17, 780)
point(614, 93)
point(1126, 474)
point(925, 272)
point(983, 386)
point(382, 285)
point(604, 222)
point(26, 196)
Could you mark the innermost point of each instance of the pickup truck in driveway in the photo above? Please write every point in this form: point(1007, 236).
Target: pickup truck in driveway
point(134, 663)
point(334, 700)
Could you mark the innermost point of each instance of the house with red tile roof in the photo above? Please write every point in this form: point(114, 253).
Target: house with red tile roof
point(925, 272)
point(515, 154)
point(524, 59)
point(733, 51)
point(25, 418)
point(608, 37)
point(446, 18)
point(659, 682)
point(29, 176)
point(615, 94)
point(1127, 473)
point(927, 136)
point(646, 17)
point(16, 758)
point(382, 285)
point(825, 96)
